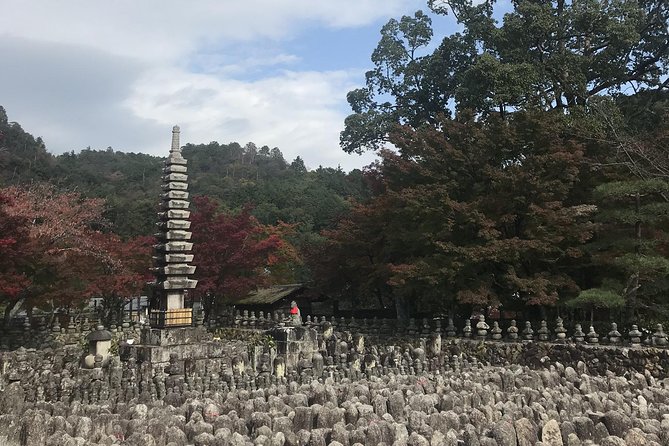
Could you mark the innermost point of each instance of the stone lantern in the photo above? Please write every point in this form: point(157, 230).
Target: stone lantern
point(99, 344)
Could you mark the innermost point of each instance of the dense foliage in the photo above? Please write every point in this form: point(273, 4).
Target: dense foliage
point(55, 254)
point(524, 163)
point(529, 165)
point(235, 254)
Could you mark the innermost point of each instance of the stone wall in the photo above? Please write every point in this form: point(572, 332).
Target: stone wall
point(37, 333)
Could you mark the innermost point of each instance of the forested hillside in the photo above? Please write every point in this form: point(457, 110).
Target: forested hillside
point(232, 174)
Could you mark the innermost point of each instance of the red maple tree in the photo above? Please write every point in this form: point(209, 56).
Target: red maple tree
point(55, 255)
point(235, 254)
point(13, 239)
point(119, 276)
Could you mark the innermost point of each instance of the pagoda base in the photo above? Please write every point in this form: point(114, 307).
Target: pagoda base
point(178, 317)
point(158, 345)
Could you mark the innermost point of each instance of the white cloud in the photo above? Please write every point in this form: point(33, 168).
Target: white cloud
point(121, 73)
point(167, 29)
point(216, 63)
point(296, 111)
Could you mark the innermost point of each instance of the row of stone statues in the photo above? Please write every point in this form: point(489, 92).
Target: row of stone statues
point(513, 333)
point(480, 329)
point(476, 329)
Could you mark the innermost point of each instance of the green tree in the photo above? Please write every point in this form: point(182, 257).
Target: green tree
point(23, 158)
point(632, 245)
point(475, 211)
point(298, 165)
point(543, 54)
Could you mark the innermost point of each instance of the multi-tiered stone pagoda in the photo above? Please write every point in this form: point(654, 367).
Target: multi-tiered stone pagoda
point(173, 251)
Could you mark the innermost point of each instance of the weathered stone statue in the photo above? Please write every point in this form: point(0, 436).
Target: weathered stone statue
point(592, 336)
point(482, 327)
point(496, 331)
point(450, 328)
point(560, 331)
point(578, 336)
point(528, 332)
point(512, 331)
point(659, 337)
point(614, 335)
point(425, 331)
point(543, 331)
point(434, 344)
point(467, 331)
point(635, 336)
point(295, 315)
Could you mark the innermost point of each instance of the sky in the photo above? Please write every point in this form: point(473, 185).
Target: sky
point(120, 74)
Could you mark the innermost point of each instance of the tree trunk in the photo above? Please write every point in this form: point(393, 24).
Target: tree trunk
point(379, 296)
point(632, 297)
point(401, 308)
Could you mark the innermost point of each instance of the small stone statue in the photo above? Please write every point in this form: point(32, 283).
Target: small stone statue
point(496, 332)
point(528, 333)
point(560, 331)
point(450, 328)
point(482, 327)
point(578, 336)
point(543, 331)
point(512, 331)
point(659, 337)
point(614, 334)
point(467, 331)
point(592, 336)
point(426, 327)
point(295, 315)
point(635, 336)
point(199, 318)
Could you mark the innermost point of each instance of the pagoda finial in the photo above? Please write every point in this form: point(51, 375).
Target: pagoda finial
point(176, 147)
